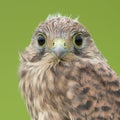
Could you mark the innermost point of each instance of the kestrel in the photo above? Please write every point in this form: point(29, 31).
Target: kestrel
point(63, 75)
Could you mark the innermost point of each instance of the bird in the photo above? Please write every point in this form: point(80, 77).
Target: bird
point(64, 76)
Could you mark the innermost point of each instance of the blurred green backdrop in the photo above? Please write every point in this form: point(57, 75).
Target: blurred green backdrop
point(18, 19)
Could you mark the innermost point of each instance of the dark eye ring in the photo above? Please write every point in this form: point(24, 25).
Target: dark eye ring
point(41, 39)
point(77, 40)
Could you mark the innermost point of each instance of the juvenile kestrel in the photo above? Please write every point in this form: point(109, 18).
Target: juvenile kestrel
point(63, 75)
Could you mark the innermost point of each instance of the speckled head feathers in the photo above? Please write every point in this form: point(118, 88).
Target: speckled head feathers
point(61, 27)
point(51, 16)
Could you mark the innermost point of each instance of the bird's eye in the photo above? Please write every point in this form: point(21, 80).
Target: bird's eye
point(41, 39)
point(77, 40)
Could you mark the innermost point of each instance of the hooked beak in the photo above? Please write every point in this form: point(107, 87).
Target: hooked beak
point(60, 47)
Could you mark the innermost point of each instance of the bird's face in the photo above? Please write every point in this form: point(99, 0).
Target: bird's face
point(63, 38)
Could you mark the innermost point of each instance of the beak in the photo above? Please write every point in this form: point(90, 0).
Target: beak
point(60, 47)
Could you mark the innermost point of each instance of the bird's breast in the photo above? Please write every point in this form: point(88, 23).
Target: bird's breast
point(58, 85)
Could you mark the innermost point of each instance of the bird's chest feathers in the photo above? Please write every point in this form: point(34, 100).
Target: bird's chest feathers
point(52, 88)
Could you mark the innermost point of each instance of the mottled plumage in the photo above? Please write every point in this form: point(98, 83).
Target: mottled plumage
point(63, 76)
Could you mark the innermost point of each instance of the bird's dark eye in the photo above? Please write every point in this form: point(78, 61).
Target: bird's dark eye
point(77, 40)
point(41, 39)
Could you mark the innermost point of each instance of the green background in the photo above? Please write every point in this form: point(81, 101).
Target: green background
point(19, 18)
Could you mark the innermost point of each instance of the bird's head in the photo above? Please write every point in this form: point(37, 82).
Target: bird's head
point(62, 38)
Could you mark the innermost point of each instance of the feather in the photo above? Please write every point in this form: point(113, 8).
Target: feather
point(77, 86)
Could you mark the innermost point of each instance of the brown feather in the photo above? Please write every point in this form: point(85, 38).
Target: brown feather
point(76, 87)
